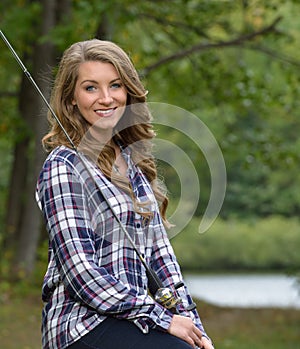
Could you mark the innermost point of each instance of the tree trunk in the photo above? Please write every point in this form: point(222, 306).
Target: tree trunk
point(104, 29)
point(43, 60)
point(16, 186)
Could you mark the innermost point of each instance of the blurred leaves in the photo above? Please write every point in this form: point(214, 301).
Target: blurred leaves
point(247, 93)
point(238, 245)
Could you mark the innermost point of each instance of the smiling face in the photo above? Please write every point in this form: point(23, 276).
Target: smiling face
point(100, 96)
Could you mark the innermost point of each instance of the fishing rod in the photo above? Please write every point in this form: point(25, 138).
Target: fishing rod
point(161, 294)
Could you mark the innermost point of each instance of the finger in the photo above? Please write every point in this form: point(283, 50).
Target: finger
point(193, 340)
point(197, 337)
point(198, 343)
point(205, 344)
point(190, 341)
point(196, 340)
point(197, 332)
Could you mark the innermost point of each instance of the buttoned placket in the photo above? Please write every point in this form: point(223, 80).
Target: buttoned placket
point(131, 172)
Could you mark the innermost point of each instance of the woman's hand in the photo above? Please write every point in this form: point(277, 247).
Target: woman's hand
point(206, 343)
point(184, 328)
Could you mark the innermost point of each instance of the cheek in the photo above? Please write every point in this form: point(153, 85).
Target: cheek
point(82, 101)
point(124, 98)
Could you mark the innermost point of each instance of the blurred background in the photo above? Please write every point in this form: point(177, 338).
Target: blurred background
point(235, 64)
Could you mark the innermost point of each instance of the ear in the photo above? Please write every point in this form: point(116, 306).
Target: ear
point(74, 102)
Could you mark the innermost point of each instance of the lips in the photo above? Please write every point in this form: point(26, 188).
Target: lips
point(105, 112)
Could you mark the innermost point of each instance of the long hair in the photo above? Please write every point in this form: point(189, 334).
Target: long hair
point(134, 129)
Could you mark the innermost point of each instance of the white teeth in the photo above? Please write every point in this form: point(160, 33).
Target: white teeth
point(104, 112)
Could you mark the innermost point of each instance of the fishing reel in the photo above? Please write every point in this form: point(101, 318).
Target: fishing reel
point(169, 299)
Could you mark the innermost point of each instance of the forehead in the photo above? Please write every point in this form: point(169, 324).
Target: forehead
point(97, 70)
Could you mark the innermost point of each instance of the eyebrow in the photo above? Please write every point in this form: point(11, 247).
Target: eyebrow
point(96, 82)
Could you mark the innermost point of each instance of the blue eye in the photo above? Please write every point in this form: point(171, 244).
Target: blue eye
point(90, 88)
point(116, 85)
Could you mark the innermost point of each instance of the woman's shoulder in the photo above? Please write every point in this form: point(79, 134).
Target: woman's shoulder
point(63, 154)
point(71, 160)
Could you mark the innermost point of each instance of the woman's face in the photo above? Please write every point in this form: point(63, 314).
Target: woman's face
point(100, 96)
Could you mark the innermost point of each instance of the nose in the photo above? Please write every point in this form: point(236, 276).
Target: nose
point(105, 98)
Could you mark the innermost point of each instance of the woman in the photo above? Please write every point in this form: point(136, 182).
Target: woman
point(95, 287)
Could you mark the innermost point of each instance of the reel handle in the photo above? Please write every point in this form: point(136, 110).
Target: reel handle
point(170, 299)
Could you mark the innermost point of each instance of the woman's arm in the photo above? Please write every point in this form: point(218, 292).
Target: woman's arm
point(164, 262)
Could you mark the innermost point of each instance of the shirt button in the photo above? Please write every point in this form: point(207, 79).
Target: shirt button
point(138, 225)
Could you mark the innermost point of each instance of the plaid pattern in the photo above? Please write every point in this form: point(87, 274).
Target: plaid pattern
point(93, 271)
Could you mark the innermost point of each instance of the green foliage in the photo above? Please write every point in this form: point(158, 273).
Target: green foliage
point(247, 93)
point(263, 244)
point(248, 99)
point(6, 159)
point(17, 18)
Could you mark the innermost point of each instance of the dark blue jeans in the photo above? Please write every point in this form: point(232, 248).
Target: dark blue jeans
point(122, 334)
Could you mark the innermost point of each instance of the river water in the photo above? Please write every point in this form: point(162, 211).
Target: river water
point(255, 291)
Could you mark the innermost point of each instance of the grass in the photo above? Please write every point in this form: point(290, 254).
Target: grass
point(229, 327)
point(252, 328)
point(20, 323)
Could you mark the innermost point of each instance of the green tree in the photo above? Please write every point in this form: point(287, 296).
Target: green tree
point(233, 63)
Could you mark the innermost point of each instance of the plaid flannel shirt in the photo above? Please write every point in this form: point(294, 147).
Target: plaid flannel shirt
point(93, 271)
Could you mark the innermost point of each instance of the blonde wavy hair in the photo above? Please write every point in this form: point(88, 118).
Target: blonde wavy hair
point(134, 129)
